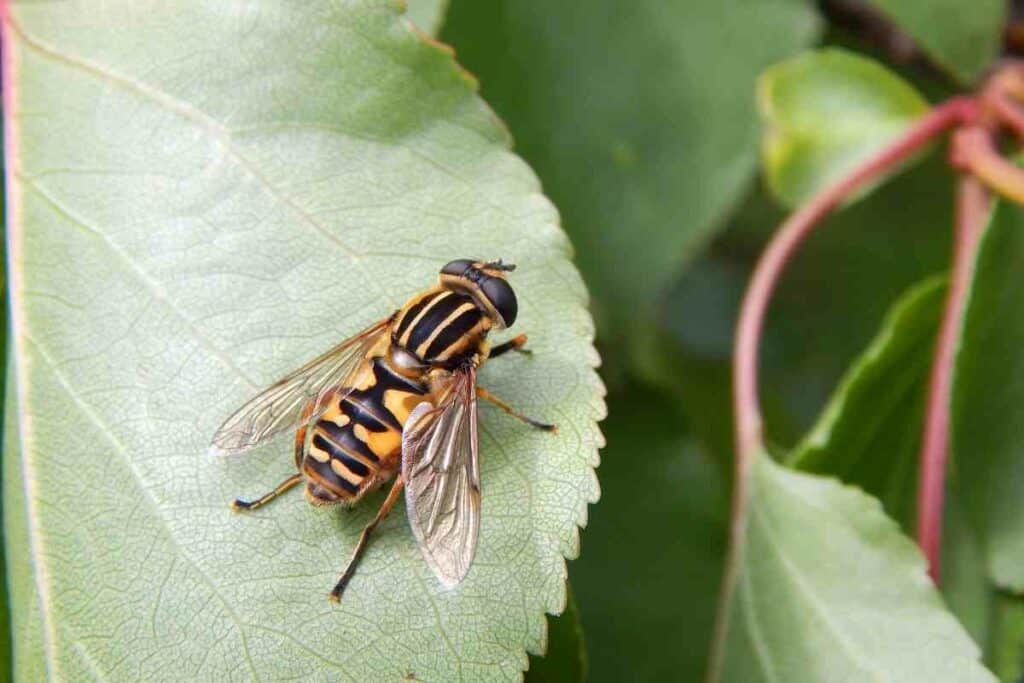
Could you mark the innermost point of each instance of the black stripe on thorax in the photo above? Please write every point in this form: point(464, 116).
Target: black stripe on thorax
point(411, 314)
point(454, 331)
point(433, 318)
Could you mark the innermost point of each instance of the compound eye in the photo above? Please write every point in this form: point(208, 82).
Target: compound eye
point(500, 294)
point(458, 267)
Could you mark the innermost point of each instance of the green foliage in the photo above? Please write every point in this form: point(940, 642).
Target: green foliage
point(427, 15)
point(827, 309)
point(565, 658)
point(205, 196)
point(963, 37)
point(870, 432)
point(988, 399)
point(201, 201)
point(823, 113)
point(827, 588)
point(649, 576)
point(639, 117)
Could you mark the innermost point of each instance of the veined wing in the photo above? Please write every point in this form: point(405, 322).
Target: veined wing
point(440, 465)
point(279, 406)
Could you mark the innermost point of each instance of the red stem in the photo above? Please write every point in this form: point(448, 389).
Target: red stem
point(972, 208)
point(790, 235)
point(746, 407)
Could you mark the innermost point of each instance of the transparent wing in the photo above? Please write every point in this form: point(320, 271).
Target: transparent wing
point(279, 406)
point(440, 465)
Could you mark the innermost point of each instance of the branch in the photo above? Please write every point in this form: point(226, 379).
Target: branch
point(746, 407)
point(972, 209)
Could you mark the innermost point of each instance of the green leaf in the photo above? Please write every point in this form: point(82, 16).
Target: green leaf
point(202, 199)
point(1007, 653)
point(654, 547)
point(827, 588)
point(566, 657)
point(427, 15)
point(988, 398)
point(638, 117)
point(870, 432)
point(994, 618)
point(823, 113)
point(965, 584)
point(963, 37)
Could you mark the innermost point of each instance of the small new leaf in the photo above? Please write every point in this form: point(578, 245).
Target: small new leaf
point(825, 111)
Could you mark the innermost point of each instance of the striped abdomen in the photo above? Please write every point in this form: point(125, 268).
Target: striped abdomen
point(441, 327)
point(356, 444)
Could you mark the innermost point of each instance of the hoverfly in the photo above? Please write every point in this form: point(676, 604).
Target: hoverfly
point(398, 398)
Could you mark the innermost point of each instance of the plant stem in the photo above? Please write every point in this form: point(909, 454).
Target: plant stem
point(974, 151)
point(746, 407)
point(972, 209)
point(789, 236)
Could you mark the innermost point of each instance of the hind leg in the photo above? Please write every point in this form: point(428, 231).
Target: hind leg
point(239, 505)
point(364, 539)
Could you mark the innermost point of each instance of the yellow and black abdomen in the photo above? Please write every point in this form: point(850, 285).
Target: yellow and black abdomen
point(357, 441)
point(441, 327)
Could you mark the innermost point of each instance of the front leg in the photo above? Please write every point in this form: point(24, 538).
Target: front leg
point(488, 396)
point(514, 344)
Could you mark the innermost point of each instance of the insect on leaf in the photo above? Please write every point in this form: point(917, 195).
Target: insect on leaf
point(204, 197)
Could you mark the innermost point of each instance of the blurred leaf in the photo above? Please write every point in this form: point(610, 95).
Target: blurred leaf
point(965, 584)
point(647, 583)
point(870, 433)
point(823, 113)
point(1007, 654)
point(988, 398)
point(993, 618)
point(963, 37)
point(427, 15)
point(829, 589)
point(202, 199)
point(638, 117)
point(566, 657)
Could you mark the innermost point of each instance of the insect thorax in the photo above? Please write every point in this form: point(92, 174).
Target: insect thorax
point(441, 327)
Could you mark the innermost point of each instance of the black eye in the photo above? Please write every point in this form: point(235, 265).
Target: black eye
point(501, 296)
point(458, 267)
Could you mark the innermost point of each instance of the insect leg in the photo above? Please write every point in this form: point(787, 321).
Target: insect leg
point(514, 344)
point(488, 396)
point(357, 553)
point(239, 505)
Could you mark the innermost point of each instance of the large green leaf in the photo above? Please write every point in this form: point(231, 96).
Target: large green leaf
point(203, 196)
point(870, 432)
point(639, 118)
point(827, 588)
point(963, 37)
point(988, 398)
point(654, 547)
point(824, 112)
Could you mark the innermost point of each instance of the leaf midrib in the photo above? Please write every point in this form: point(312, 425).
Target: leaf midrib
point(813, 601)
